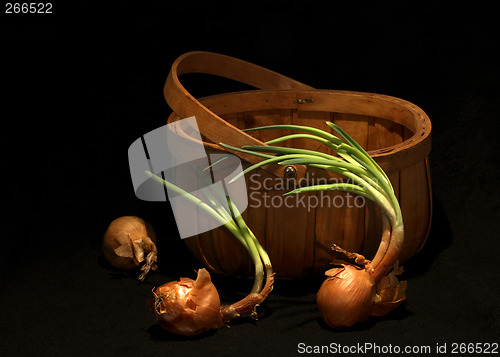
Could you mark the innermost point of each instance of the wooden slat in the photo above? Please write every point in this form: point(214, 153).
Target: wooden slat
point(267, 117)
point(384, 133)
point(289, 232)
point(415, 203)
point(354, 125)
point(328, 230)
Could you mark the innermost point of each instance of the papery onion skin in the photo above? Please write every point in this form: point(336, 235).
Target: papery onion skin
point(188, 307)
point(127, 241)
point(346, 296)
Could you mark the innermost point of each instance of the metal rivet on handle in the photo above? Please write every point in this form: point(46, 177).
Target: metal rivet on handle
point(290, 172)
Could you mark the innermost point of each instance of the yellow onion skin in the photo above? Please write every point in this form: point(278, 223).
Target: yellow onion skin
point(187, 307)
point(127, 241)
point(346, 297)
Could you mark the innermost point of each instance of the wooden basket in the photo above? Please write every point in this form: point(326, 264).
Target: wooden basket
point(396, 133)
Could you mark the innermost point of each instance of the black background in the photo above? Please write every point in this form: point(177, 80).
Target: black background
point(80, 85)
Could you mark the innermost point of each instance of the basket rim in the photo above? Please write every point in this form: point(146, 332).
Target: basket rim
point(419, 144)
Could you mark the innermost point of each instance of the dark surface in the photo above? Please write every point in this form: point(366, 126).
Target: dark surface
point(81, 85)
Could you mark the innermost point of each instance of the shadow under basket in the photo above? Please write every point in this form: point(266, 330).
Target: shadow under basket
point(298, 230)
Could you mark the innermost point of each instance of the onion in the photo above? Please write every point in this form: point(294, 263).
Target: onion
point(188, 307)
point(128, 243)
point(351, 293)
point(346, 296)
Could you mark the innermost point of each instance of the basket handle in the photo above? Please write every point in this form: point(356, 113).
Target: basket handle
point(210, 124)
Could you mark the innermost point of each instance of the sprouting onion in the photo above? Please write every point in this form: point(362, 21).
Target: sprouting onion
point(358, 287)
point(187, 307)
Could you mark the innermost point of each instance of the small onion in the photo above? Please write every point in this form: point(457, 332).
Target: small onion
point(128, 243)
point(188, 307)
point(346, 296)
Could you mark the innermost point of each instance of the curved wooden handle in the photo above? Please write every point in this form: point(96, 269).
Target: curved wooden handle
point(210, 124)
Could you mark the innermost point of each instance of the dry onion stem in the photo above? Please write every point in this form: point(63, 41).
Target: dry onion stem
point(130, 242)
